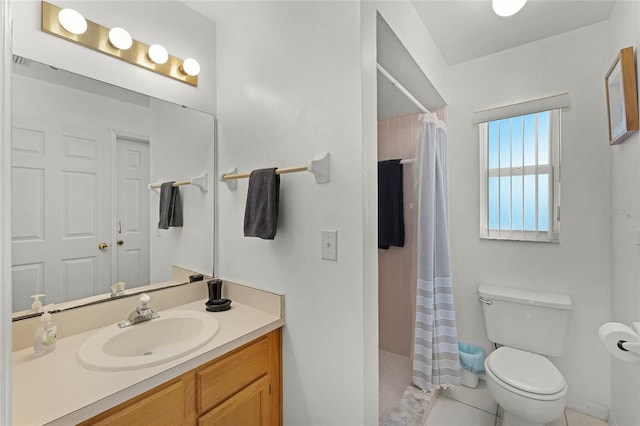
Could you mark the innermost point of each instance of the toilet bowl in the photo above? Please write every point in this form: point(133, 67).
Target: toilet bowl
point(528, 387)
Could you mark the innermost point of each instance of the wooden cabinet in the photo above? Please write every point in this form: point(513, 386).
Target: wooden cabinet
point(249, 407)
point(243, 387)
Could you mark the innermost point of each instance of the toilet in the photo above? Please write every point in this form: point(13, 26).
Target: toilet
point(529, 326)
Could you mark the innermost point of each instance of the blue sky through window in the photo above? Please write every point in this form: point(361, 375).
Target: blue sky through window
point(512, 143)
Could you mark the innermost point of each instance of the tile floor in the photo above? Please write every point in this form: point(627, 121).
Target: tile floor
point(462, 407)
point(467, 406)
point(395, 376)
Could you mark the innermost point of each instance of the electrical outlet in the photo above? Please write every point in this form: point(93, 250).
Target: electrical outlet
point(329, 247)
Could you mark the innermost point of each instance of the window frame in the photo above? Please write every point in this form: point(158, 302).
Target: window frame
point(553, 169)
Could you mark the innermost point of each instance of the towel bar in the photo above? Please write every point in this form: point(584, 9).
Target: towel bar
point(200, 181)
point(319, 166)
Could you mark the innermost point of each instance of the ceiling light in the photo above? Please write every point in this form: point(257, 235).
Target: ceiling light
point(507, 7)
point(158, 54)
point(190, 67)
point(120, 38)
point(72, 21)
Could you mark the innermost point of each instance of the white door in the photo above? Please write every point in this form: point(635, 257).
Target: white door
point(132, 212)
point(60, 211)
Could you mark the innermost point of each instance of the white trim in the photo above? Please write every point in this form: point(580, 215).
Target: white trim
point(522, 108)
point(528, 236)
point(484, 181)
point(590, 408)
point(6, 60)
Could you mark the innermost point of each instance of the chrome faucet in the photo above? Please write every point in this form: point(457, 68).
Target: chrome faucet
point(142, 313)
point(117, 289)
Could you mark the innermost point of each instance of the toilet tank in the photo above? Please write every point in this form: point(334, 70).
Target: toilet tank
point(533, 321)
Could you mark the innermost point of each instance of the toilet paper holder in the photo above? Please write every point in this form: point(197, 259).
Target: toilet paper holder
point(633, 347)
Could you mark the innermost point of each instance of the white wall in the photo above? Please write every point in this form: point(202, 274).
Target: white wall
point(369, 223)
point(624, 219)
point(182, 147)
point(410, 30)
point(147, 21)
point(49, 101)
point(289, 87)
point(573, 62)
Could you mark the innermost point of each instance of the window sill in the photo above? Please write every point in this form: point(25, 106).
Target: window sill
point(554, 241)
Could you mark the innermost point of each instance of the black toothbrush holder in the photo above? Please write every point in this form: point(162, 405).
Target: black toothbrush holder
point(215, 289)
point(216, 303)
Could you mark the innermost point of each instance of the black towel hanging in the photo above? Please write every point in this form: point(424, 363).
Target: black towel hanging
point(390, 204)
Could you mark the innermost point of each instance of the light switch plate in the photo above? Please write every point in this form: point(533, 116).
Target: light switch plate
point(329, 247)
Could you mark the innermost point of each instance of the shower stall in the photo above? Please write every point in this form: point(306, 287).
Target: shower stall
point(398, 138)
point(402, 114)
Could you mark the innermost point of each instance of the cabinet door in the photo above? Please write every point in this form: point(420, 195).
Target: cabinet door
point(232, 373)
point(249, 407)
point(163, 407)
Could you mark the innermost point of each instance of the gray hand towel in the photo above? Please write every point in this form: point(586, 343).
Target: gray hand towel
point(170, 206)
point(261, 210)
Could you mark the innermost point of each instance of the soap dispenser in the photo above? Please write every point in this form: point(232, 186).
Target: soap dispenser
point(45, 336)
point(36, 306)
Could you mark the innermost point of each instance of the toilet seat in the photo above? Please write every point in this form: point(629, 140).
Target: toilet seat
point(526, 374)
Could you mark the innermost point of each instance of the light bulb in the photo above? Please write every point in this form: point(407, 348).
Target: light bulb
point(190, 67)
point(120, 38)
point(158, 54)
point(507, 7)
point(72, 21)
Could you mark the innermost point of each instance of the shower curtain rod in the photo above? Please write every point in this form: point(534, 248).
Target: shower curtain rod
point(401, 88)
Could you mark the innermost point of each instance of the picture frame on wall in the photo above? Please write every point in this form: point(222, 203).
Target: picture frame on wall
point(622, 98)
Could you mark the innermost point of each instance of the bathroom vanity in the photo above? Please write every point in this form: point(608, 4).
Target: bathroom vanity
point(239, 388)
point(233, 379)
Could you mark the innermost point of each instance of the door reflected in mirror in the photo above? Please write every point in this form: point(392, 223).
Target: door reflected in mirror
point(83, 217)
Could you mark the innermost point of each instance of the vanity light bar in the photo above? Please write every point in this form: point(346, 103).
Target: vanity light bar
point(96, 37)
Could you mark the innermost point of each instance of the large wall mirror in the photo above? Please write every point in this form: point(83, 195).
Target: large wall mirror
point(83, 216)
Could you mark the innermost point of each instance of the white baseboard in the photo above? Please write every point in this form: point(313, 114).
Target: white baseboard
point(589, 408)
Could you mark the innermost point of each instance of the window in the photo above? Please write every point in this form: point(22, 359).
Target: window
point(520, 177)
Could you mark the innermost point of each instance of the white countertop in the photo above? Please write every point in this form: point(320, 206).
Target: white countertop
point(56, 389)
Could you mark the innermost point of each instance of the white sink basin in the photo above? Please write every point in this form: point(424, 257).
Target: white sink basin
point(149, 343)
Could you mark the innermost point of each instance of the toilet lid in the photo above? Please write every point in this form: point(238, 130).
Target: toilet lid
point(526, 371)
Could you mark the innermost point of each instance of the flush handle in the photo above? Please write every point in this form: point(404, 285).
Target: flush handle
point(485, 301)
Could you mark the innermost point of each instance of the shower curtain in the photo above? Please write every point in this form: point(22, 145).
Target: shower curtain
point(436, 361)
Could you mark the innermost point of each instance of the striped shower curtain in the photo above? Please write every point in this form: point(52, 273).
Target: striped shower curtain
point(436, 362)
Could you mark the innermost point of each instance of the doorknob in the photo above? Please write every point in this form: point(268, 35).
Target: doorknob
point(120, 242)
point(103, 246)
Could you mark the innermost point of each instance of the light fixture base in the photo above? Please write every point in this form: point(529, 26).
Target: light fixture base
point(96, 37)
